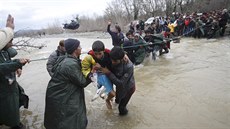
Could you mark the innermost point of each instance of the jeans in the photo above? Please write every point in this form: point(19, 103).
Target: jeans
point(103, 80)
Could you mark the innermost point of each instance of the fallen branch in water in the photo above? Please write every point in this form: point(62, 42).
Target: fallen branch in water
point(24, 43)
point(28, 45)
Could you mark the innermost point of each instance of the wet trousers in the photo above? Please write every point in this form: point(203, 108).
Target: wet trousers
point(124, 100)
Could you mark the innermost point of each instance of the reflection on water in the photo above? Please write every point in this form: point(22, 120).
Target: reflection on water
point(187, 88)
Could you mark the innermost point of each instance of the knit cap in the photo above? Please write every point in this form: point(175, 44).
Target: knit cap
point(71, 45)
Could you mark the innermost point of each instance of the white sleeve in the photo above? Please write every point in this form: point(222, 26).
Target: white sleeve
point(6, 35)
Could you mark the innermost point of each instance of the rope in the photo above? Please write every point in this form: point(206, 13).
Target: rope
point(38, 59)
point(162, 42)
point(147, 44)
point(155, 43)
point(192, 30)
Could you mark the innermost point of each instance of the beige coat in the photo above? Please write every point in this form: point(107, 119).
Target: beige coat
point(6, 35)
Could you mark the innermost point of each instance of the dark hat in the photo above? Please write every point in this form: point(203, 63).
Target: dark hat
point(71, 45)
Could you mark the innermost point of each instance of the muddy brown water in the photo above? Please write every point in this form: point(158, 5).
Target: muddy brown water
point(189, 88)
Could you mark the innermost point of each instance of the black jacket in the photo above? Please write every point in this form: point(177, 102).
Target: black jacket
point(117, 38)
point(122, 76)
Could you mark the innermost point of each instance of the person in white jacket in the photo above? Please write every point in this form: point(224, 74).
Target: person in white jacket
point(7, 33)
point(9, 88)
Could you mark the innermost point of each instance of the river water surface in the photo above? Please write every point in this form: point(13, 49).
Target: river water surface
point(188, 88)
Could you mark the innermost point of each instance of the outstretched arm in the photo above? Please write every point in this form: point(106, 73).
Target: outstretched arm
point(108, 27)
point(12, 66)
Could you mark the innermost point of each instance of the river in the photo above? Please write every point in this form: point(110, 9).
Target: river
point(188, 88)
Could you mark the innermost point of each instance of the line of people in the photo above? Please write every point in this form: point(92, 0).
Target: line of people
point(197, 25)
point(138, 47)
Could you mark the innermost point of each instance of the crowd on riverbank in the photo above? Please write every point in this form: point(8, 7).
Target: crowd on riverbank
point(198, 25)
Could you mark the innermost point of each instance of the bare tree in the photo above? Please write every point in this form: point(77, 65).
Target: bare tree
point(129, 8)
point(136, 9)
point(54, 28)
point(149, 7)
point(169, 7)
point(116, 12)
point(153, 7)
point(125, 11)
point(96, 23)
point(181, 6)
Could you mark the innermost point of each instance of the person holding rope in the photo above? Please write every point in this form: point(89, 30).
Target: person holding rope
point(127, 46)
point(158, 44)
point(9, 88)
point(140, 49)
point(223, 21)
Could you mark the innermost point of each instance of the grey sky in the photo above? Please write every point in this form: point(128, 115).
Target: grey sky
point(36, 14)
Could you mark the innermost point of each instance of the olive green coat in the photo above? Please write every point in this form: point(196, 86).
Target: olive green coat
point(65, 99)
point(9, 93)
point(140, 51)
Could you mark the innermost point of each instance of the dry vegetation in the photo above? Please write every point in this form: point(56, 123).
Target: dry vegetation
point(125, 11)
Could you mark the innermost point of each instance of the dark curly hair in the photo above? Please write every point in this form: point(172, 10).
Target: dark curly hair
point(117, 53)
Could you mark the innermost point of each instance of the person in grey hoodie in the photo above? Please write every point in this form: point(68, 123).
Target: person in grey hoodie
point(122, 75)
point(54, 56)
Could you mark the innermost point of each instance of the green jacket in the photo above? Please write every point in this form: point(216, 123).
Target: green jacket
point(9, 93)
point(65, 99)
point(140, 51)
